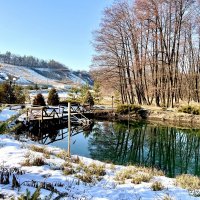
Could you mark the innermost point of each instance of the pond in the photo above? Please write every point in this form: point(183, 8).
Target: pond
point(175, 151)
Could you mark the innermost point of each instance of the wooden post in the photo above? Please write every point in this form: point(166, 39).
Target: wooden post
point(27, 118)
point(69, 127)
point(42, 112)
point(112, 102)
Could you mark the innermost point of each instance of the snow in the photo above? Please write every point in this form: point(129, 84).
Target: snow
point(26, 74)
point(3, 75)
point(13, 153)
point(6, 113)
point(76, 79)
point(22, 80)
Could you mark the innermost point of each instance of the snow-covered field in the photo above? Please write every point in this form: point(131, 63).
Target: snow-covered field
point(26, 76)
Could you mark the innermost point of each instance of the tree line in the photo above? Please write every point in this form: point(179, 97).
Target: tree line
point(150, 51)
point(29, 61)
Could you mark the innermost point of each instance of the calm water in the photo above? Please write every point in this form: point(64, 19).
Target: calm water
point(173, 150)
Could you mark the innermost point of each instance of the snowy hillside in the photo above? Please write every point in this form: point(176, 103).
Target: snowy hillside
point(44, 76)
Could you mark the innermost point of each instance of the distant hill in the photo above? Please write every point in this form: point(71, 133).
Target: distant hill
point(29, 70)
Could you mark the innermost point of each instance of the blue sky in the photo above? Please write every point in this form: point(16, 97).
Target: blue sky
point(51, 29)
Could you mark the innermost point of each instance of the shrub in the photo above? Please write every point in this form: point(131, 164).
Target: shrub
point(157, 186)
point(20, 96)
point(125, 109)
point(190, 109)
point(53, 98)
point(7, 94)
point(39, 100)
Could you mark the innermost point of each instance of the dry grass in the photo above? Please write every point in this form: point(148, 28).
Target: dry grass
point(91, 173)
point(94, 169)
point(63, 155)
point(33, 162)
point(41, 150)
point(187, 181)
point(157, 186)
point(85, 178)
point(38, 149)
point(167, 197)
point(112, 167)
point(76, 160)
point(139, 178)
point(68, 171)
point(126, 173)
point(137, 174)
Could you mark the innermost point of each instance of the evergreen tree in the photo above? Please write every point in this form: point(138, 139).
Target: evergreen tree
point(89, 98)
point(36, 87)
point(39, 100)
point(53, 98)
point(20, 96)
point(83, 91)
point(7, 94)
point(97, 92)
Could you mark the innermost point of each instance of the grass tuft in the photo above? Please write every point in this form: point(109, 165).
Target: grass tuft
point(188, 181)
point(125, 109)
point(63, 155)
point(190, 109)
point(33, 162)
point(85, 178)
point(138, 178)
point(157, 186)
point(137, 174)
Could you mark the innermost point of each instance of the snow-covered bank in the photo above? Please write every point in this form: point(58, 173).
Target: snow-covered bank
point(78, 177)
point(6, 114)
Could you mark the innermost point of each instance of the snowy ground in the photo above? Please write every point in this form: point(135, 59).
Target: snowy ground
point(6, 114)
point(57, 168)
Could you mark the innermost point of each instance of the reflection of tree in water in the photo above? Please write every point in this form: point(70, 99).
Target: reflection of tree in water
point(172, 150)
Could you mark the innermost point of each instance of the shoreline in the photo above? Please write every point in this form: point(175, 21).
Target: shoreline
point(159, 117)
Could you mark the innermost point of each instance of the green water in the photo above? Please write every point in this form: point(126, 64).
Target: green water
point(175, 151)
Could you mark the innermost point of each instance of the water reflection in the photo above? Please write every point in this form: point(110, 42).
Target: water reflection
point(175, 151)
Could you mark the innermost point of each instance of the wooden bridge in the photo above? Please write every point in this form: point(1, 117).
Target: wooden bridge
point(43, 113)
